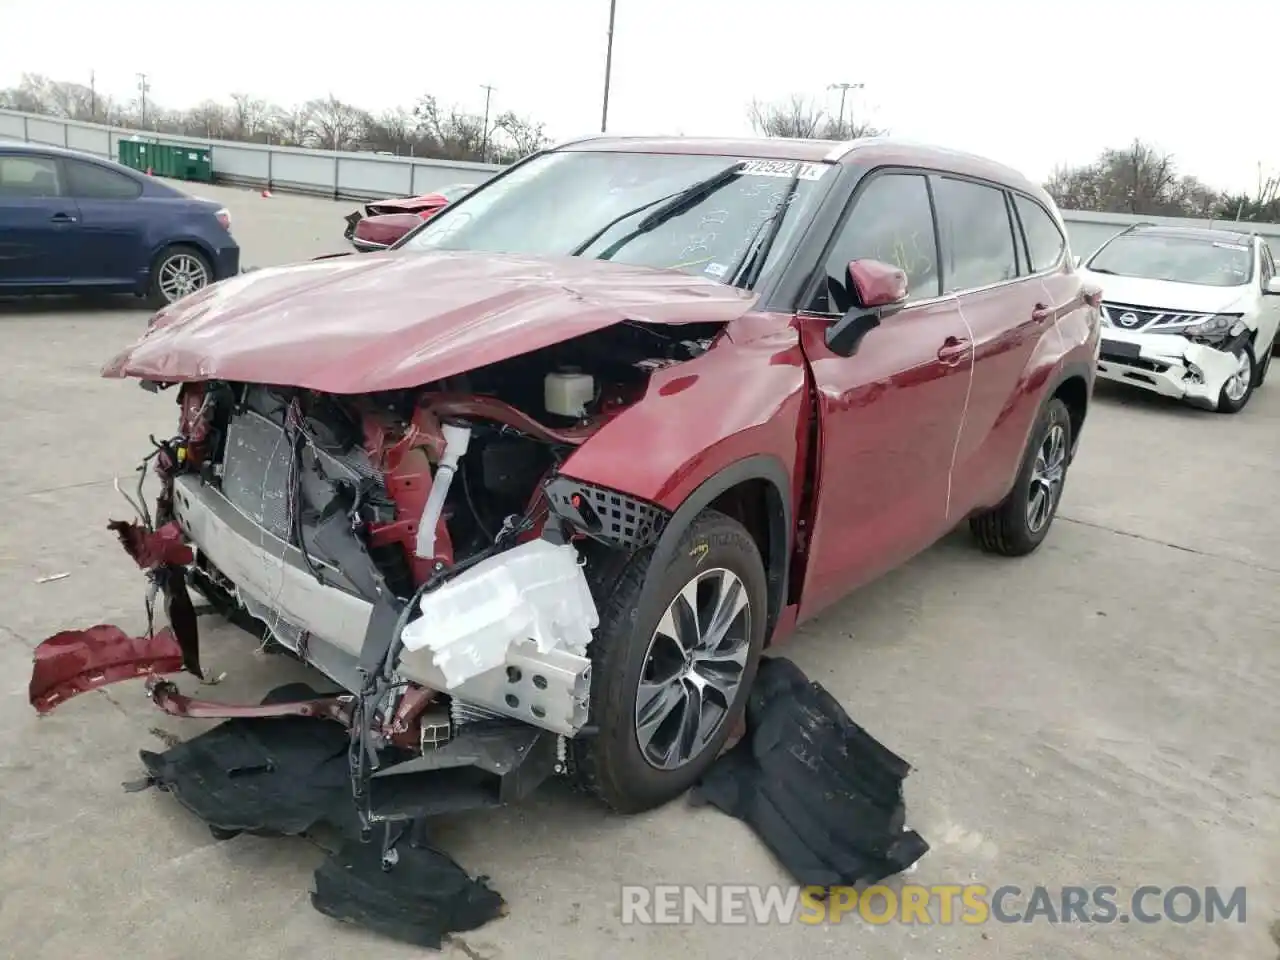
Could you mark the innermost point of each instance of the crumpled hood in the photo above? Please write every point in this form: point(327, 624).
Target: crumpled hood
point(1166, 295)
point(408, 204)
point(392, 321)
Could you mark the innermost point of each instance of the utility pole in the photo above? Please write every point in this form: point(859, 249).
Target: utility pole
point(143, 87)
point(484, 143)
point(608, 67)
point(93, 98)
point(844, 89)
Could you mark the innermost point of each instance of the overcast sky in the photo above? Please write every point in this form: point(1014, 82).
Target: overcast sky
point(1033, 83)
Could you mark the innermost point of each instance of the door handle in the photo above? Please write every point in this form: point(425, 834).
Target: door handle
point(952, 350)
point(1042, 313)
point(62, 218)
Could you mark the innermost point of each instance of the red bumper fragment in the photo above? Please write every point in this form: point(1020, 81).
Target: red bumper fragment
point(150, 549)
point(77, 661)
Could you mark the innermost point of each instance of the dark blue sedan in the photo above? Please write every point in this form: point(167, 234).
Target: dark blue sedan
point(71, 222)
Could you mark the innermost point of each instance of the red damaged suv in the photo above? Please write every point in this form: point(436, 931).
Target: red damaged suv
point(536, 487)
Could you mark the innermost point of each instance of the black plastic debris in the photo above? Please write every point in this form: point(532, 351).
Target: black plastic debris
point(421, 899)
point(823, 795)
point(277, 776)
point(284, 776)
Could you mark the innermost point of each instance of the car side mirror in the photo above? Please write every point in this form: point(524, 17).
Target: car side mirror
point(878, 290)
point(1273, 287)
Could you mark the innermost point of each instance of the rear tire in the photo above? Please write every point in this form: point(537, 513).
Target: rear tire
point(634, 762)
point(179, 270)
point(1019, 525)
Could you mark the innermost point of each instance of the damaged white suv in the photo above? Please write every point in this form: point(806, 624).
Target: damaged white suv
point(1190, 313)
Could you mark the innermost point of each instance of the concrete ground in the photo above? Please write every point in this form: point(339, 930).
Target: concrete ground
point(1103, 712)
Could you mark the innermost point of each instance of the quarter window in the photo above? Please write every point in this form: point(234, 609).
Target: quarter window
point(976, 235)
point(88, 181)
point(891, 221)
point(1044, 241)
point(28, 177)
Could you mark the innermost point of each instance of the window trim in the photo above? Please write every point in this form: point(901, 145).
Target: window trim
point(1066, 242)
point(65, 165)
point(818, 273)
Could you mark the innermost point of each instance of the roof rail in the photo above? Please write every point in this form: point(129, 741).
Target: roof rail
point(839, 151)
point(577, 140)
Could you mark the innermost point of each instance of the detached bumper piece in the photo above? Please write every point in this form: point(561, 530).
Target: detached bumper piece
point(823, 795)
point(421, 900)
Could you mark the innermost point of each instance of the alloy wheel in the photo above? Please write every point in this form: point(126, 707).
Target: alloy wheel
point(693, 669)
point(180, 275)
point(1046, 478)
point(1239, 383)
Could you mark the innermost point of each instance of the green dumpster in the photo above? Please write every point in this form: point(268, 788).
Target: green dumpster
point(174, 160)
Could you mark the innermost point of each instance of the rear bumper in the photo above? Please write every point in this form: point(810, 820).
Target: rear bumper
point(226, 262)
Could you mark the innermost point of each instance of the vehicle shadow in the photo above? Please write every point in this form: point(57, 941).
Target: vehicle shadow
point(13, 306)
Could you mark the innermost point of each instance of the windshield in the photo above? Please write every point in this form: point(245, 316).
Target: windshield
point(1211, 263)
point(618, 206)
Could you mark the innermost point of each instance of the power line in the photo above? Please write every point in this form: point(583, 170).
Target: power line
point(143, 87)
point(484, 143)
point(844, 89)
point(608, 67)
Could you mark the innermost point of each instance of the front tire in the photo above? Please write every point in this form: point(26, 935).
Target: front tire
point(670, 677)
point(1019, 525)
point(1239, 387)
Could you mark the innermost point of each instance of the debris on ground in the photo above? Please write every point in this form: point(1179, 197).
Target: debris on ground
point(822, 794)
point(419, 900)
point(52, 578)
point(288, 776)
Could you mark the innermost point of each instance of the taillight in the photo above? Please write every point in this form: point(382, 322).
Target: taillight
point(224, 218)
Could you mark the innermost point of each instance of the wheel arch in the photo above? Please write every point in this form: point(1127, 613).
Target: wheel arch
point(754, 491)
point(1073, 387)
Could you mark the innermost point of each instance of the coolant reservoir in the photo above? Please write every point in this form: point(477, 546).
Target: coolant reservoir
point(567, 392)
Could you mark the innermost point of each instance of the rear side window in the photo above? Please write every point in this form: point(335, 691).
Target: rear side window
point(28, 178)
point(977, 236)
point(88, 181)
point(1045, 242)
point(891, 221)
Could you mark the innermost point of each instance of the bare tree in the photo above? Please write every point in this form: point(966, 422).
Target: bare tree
point(295, 126)
point(337, 124)
point(799, 117)
point(1140, 179)
point(209, 119)
point(394, 131)
point(526, 136)
point(248, 115)
point(449, 133)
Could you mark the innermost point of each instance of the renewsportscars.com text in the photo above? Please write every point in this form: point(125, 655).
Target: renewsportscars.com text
point(940, 904)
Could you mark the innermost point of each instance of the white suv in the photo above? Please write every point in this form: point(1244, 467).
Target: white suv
point(1187, 312)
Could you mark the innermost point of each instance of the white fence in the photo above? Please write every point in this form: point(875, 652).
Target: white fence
point(367, 176)
point(331, 173)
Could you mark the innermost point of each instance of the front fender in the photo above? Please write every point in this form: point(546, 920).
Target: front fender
point(697, 418)
point(737, 414)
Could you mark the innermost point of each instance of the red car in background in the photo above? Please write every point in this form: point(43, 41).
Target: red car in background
point(384, 222)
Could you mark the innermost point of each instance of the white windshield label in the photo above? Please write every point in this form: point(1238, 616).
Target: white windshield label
point(783, 168)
